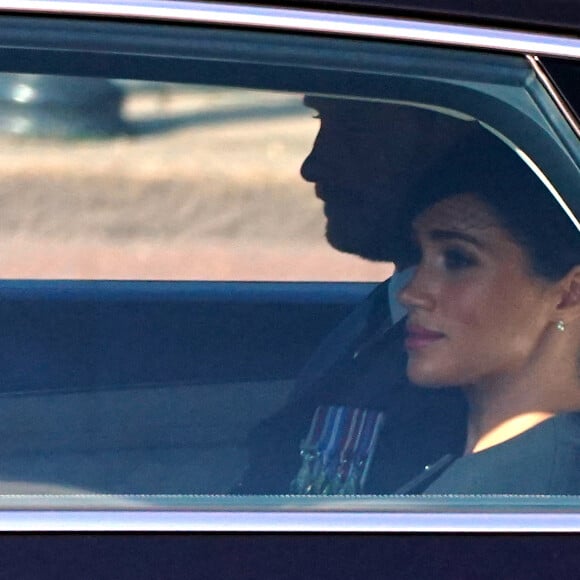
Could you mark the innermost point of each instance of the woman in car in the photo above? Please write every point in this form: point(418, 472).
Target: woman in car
point(494, 308)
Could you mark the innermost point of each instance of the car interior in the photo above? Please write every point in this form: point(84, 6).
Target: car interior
point(184, 279)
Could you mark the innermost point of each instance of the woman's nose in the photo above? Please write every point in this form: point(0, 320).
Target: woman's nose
point(417, 293)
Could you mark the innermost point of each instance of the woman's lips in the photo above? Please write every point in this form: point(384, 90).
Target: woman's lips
point(419, 337)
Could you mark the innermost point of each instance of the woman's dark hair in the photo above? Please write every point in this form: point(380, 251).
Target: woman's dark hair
point(485, 166)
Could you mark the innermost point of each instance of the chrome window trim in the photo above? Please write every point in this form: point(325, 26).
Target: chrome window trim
point(547, 83)
point(244, 521)
point(307, 21)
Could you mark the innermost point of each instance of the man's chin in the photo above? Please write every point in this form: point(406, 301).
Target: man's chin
point(356, 243)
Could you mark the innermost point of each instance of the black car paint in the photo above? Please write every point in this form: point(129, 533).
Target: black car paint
point(566, 76)
point(290, 556)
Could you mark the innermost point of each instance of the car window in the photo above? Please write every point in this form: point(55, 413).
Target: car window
point(195, 249)
point(155, 173)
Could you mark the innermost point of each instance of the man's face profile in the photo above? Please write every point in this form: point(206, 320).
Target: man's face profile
point(364, 159)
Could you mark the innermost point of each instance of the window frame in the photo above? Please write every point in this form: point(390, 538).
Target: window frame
point(231, 514)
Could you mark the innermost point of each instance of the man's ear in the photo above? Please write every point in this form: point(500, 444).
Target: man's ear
point(569, 305)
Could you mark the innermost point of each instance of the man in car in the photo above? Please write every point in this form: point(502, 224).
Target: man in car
point(366, 159)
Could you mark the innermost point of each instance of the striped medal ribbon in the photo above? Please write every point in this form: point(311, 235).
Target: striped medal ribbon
point(338, 450)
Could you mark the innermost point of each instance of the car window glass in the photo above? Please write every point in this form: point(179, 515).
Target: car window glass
point(193, 273)
point(161, 174)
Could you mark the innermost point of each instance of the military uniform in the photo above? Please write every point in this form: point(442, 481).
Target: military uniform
point(360, 365)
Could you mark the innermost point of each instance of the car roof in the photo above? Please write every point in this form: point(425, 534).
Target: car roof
point(537, 15)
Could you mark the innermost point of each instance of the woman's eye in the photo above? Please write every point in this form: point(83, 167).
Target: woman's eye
point(458, 259)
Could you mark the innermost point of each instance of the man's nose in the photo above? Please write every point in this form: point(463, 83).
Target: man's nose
point(308, 169)
point(321, 162)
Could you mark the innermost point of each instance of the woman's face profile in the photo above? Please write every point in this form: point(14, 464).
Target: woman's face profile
point(476, 311)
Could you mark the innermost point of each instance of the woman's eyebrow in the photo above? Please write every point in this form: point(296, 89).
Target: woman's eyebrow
point(450, 235)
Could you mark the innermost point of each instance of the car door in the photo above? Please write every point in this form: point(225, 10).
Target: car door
point(166, 281)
